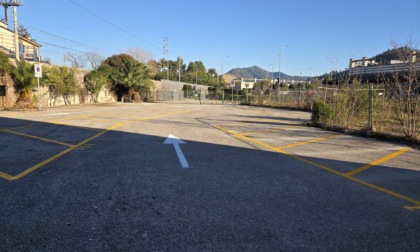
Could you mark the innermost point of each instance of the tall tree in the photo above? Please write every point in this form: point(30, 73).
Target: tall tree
point(94, 59)
point(24, 79)
point(125, 73)
point(139, 54)
point(62, 81)
point(22, 31)
point(75, 59)
point(94, 81)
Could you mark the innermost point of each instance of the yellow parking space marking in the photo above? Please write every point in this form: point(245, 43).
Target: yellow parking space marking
point(5, 176)
point(308, 142)
point(21, 127)
point(159, 116)
point(36, 167)
point(242, 137)
point(376, 162)
point(96, 119)
point(269, 130)
point(85, 146)
point(57, 121)
point(378, 188)
point(412, 208)
point(82, 145)
point(39, 138)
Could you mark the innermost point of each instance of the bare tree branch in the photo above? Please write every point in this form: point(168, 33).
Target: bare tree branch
point(94, 59)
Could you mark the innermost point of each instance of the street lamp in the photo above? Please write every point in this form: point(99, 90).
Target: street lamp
point(332, 65)
point(281, 47)
point(221, 68)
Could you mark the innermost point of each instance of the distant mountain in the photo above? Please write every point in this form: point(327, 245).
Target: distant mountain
point(259, 73)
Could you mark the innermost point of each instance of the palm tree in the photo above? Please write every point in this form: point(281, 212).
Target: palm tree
point(24, 79)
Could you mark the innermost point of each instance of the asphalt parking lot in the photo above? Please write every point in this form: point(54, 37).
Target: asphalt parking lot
point(108, 178)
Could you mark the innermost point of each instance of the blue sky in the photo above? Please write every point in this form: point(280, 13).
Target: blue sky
point(229, 32)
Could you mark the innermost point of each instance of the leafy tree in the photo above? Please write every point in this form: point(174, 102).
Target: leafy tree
point(124, 73)
point(188, 90)
point(212, 72)
point(153, 67)
point(196, 66)
point(22, 31)
point(94, 81)
point(24, 79)
point(5, 66)
point(61, 81)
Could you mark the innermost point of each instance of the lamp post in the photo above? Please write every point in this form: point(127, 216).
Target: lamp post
point(221, 68)
point(281, 47)
point(332, 65)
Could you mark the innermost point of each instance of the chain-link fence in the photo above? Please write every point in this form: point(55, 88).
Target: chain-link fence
point(353, 107)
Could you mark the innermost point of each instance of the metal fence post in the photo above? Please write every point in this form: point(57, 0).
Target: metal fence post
point(370, 126)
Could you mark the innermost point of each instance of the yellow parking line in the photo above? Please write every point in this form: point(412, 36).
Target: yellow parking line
point(21, 127)
point(377, 162)
point(57, 121)
point(39, 138)
point(242, 137)
point(159, 116)
point(268, 130)
point(35, 167)
point(308, 142)
point(5, 176)
point(378, 188)
point(412, 208)
point(81, 144)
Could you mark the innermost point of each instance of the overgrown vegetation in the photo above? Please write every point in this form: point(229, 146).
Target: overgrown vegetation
point(24, 80)
point(388, 105)
point(61, 81)
point(125, 75)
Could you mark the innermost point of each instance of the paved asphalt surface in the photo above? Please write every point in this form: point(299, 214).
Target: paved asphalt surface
point(100, 178)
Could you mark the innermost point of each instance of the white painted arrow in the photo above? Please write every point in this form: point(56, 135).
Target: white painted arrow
point(176, 142)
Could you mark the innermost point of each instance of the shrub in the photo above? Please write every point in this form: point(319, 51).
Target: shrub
point(322, 114)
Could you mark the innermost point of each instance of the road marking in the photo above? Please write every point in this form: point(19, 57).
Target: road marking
point(175, 141)
point(376, 162)
point(35, 167)
point(378, 188)
point(269, 130)
point(21, 127)
point(309, 141)
point(79, 145)
point(56, 114)
point(85, 146)
point(5, 176)
point(412, 208)
point(245, 138)
point(39, 138)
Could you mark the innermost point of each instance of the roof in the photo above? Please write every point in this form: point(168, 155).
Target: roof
point(28, 40)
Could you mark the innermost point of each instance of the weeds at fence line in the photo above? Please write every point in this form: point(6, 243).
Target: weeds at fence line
point(344, 107)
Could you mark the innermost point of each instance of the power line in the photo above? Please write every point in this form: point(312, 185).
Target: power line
point(69, 40)
point(62, 47)
point(88, 35)
point(114, 25)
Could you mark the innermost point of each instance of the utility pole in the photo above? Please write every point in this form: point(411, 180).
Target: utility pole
point(280, 63)
point(14, 3)
point(332, 66)
point(179, 68)
point(166, 53)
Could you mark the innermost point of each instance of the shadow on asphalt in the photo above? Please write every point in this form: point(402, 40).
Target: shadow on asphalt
point(128, 192)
